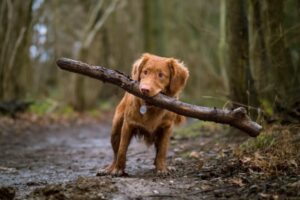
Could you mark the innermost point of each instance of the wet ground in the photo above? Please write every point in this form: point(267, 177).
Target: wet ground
point(60, 162)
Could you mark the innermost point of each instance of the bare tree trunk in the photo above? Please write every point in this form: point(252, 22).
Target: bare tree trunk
point(154, 27)
point(15, 18)
point(222, 43)
point(298, 63)
point(285, 88)
point(276, 47)
point(241, 86)
point(259, 63)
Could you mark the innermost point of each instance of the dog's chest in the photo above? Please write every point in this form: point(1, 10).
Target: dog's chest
point(149, 121)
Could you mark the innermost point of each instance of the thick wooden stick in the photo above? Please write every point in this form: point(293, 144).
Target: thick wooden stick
point(236, 118)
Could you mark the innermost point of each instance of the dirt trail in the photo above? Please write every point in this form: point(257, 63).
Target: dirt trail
point(39, 157)
point(43, 156)
point(59, 162)
point(55, 155)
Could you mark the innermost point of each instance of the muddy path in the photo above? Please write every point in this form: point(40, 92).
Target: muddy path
point(35, 158)
point(60, 162)
point(52, 155)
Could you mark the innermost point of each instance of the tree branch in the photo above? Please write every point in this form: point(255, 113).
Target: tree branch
point(236, 118)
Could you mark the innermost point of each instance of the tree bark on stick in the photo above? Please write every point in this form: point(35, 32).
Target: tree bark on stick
point(236, 118)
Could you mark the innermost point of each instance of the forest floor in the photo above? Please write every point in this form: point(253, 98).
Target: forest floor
point(57, 159)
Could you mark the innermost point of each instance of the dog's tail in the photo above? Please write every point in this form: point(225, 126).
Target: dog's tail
point(179, 119)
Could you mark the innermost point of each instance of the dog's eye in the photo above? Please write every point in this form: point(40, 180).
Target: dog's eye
point(145, 72)
point(160, 75)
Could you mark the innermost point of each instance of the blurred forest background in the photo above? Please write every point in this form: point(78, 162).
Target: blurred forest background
point(238, 52)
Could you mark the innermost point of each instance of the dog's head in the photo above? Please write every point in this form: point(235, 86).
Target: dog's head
point(158, 74)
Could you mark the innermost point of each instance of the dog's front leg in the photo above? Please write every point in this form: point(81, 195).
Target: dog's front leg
point(162, 144)
point(126, 135)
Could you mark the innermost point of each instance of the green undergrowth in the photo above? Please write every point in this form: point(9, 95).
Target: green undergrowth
point(262, 142)
point(49, 107)
point(195, 129)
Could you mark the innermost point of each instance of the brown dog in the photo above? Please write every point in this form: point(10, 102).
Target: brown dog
point(133, 117)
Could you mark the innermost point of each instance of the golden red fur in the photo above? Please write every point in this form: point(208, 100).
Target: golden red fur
point(155, 74)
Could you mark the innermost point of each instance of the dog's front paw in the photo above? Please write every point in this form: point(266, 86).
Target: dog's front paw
point(111, 170)
point(162, 173)
point(106, 171)
point(102, 172)
point(118, 172)
point(166, 171)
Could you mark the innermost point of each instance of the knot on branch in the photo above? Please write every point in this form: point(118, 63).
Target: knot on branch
point(240, 113)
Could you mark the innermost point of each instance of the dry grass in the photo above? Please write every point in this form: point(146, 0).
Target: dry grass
point(275, 151)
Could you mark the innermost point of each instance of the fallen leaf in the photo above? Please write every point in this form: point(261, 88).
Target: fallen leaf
point(237, 181)
point(7, 169)
point(258, 156)
point(264, 195)
point(295, 184)
point(155, 192)
point(205, 187)
point(293, 163)
point(194, 154)
point(245, 160)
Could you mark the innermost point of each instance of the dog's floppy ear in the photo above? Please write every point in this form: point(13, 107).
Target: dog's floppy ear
point(179, 75)
point(138, 66)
